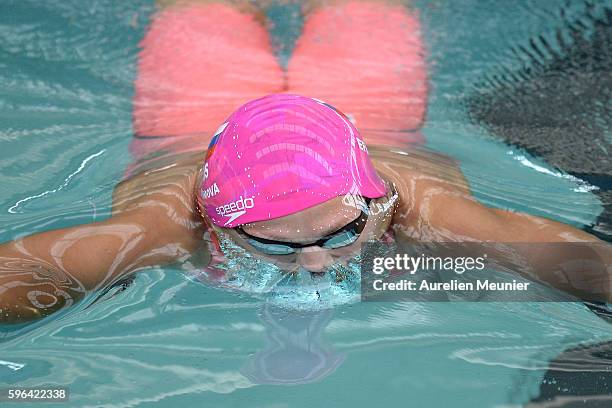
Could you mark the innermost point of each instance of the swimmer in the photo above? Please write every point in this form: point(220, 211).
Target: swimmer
point(290, 178)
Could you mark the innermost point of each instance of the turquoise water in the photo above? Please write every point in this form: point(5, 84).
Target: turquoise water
point(66, 69)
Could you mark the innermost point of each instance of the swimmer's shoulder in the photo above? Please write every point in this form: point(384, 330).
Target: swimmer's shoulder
point(174, 179)
point(419, 175)
point(418, 166)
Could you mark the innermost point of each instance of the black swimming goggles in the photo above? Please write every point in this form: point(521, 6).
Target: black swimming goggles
point(340, 238)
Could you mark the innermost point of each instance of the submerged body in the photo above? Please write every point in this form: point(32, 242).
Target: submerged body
point(156, 219)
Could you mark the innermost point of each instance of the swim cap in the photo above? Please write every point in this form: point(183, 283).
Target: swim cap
point(282, 154)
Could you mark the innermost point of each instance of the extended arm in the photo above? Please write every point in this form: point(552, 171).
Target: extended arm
point(455, 214)
point(582, 268)
point(153, 223)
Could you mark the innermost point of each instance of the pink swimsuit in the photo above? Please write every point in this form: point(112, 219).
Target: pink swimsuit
point(200, 62)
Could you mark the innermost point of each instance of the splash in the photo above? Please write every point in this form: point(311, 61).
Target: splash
point(298, 290)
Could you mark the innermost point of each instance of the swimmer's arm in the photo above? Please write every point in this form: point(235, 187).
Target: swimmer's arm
point(45, 272)
point(459, 217)
point(153, 222)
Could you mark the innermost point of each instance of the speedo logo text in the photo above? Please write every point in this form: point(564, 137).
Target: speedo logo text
point(235, 209)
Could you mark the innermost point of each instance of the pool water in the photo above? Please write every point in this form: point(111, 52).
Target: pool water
point(67, 69)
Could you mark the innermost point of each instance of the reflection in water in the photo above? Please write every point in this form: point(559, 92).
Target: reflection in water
point(295, 352)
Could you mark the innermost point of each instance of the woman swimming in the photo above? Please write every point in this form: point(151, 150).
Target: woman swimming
point(289, 178)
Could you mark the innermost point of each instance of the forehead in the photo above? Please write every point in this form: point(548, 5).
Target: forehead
point(313, 222)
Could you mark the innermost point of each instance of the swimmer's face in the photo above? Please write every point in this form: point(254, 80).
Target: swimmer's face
point(311, 226)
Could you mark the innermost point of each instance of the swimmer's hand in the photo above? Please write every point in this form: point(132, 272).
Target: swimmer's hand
point(153, 223)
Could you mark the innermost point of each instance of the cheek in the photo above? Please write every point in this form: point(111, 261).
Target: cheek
point(347, 252)
point(280, 261)
point(283, 262)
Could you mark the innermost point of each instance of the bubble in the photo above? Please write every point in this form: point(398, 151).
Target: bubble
point(298, 289)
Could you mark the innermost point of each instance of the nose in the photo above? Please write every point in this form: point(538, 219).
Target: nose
point(314, 259)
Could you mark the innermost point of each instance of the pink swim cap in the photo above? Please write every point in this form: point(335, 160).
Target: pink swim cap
point(281, 154)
